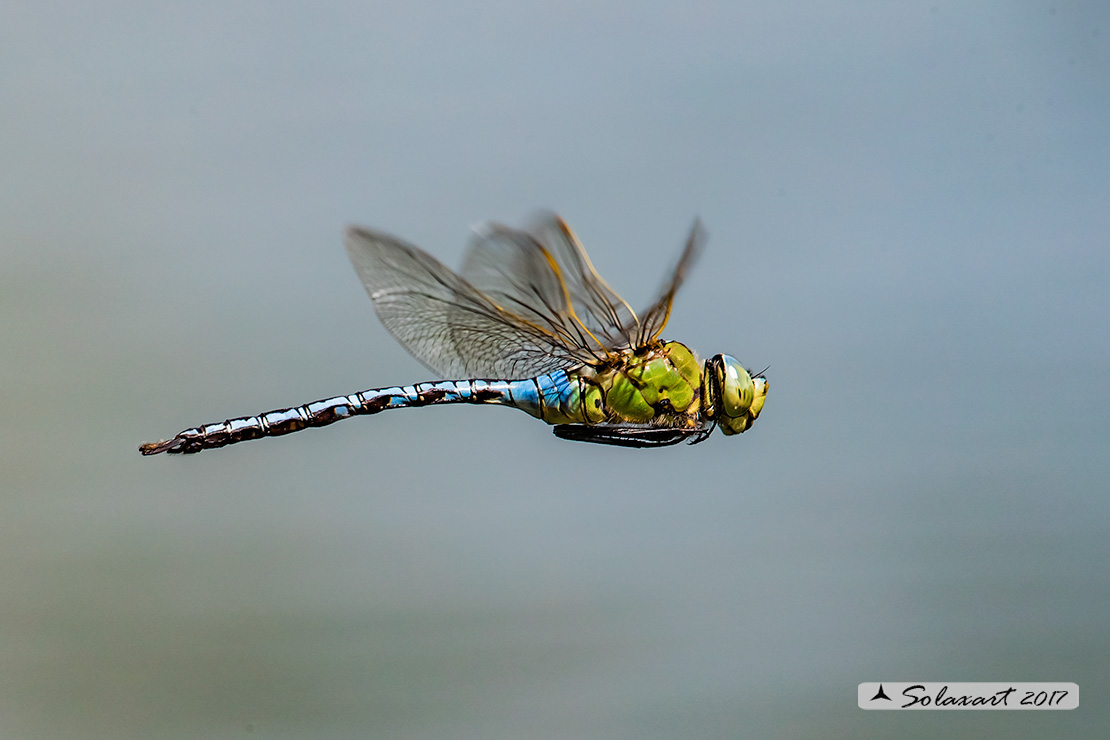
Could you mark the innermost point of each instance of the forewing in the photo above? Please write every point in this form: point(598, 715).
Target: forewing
point(654, 319)
point(546, 275)
point(446, 322)
point(598, 305)
point(515, 271)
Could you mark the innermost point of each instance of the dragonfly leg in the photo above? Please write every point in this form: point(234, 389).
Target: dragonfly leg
point(627, 436)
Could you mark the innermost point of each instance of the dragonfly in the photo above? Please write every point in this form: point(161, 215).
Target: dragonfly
point(527, 322)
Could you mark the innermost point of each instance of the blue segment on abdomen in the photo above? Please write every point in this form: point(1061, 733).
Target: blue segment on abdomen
point(551, 391)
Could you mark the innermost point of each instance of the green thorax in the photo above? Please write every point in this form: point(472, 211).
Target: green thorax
point(659, 383)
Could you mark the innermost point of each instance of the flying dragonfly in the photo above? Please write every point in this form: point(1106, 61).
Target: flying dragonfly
point(527, 323)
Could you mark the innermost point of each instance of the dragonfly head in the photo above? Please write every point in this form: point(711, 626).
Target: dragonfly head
point(736, 398)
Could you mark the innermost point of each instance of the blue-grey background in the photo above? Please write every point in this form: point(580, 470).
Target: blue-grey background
point(907, 205)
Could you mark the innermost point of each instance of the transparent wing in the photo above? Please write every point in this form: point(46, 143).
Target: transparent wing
point(655, 318)
point(450, 325)
point(546, 276)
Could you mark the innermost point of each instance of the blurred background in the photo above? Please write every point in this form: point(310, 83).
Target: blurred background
point(907, 208)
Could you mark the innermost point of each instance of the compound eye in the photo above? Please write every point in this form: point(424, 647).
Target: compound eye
point(737, 387)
